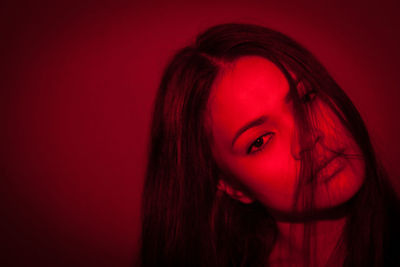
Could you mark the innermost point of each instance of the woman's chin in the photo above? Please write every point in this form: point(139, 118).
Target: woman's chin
point(332, 196)
point(340, 188)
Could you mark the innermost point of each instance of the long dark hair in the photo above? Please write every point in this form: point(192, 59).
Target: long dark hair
point(186, 221)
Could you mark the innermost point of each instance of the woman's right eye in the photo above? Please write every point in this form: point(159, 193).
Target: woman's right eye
point(260, 143)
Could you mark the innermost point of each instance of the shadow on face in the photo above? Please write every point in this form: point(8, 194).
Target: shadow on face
point(255, 139)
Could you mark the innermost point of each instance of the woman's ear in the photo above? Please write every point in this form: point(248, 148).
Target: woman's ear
point(234, 193)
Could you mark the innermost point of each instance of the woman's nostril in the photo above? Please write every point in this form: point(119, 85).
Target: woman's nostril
point(319, 140)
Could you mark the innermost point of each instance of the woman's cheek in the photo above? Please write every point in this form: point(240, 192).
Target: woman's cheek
point(265, 176)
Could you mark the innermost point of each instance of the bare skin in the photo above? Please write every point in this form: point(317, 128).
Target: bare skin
point(289, 250)
point(255, 141)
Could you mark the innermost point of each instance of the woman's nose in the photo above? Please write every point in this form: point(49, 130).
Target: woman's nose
point(305, 142)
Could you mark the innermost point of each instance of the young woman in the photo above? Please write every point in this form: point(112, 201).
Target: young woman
point(258, 158)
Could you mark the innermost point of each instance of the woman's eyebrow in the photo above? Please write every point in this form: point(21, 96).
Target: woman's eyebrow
point(256, 122)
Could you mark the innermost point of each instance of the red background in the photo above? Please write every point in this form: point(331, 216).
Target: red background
point(78, 84)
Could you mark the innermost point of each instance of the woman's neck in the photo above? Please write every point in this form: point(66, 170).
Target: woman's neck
point(322, 243)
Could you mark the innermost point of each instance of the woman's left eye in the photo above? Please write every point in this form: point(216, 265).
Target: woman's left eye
point(309, 96)
point(260, 143)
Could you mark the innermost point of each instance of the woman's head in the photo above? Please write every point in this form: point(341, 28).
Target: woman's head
point(242, 76)
point(255, 140)
point(247, 124)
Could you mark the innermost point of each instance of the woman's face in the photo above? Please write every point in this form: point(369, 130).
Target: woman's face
point(255, 140)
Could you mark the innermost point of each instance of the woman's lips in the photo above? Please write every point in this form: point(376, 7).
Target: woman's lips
point(329, 168)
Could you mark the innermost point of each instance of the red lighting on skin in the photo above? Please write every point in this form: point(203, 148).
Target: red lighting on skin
point(265, 156)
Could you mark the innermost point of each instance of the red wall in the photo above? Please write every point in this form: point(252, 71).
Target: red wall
point(79, 81)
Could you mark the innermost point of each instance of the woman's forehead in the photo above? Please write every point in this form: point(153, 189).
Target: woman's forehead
point(248, 88)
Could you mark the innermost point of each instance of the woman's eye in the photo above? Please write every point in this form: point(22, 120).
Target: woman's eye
point(309, 96)
point(260, 143)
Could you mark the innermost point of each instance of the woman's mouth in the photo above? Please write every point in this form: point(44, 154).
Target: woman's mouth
point(329, 168)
